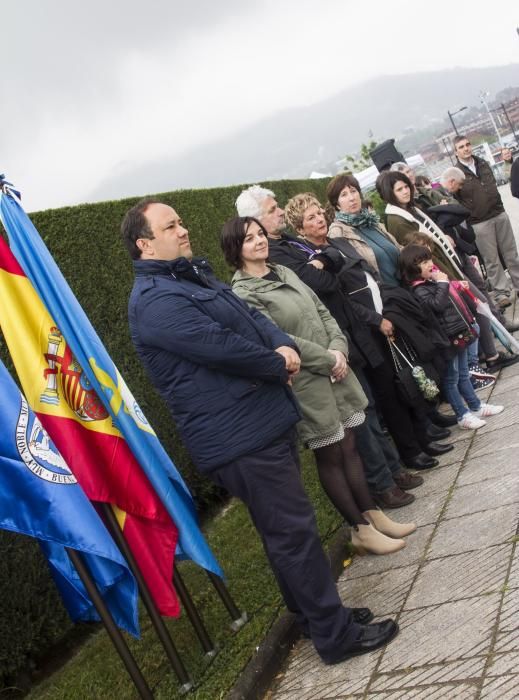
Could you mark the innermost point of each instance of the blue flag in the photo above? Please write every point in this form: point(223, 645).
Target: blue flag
point(39, 266)
point(39, 497)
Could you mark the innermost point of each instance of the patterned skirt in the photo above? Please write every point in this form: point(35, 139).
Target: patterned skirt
point(353, 421)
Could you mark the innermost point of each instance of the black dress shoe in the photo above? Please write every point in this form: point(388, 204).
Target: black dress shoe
point(435, 449)
point(422, 461)
point(512, 327)
point(443, 420)
point(393, 497)
point(502, 360)
point(370, 637)
point(362, 616)
point(405, 480)
point(436, 433)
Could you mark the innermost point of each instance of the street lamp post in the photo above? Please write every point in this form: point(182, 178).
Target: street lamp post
point(451, 115)
point(483, 96)
point(508, 120)
point(446, 146)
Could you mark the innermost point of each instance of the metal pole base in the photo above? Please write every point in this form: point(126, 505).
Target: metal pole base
point(236, 625)
point(185, 688)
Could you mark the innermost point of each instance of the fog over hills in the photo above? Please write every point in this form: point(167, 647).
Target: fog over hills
point(294, 142)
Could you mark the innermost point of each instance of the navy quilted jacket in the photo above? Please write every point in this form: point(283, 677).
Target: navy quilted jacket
point(212, 359)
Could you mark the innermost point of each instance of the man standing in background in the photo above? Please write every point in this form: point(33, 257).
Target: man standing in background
point(494, 234)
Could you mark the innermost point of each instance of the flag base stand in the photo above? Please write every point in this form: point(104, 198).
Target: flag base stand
point(237, 624)
point(238, 617)
point(185, 688)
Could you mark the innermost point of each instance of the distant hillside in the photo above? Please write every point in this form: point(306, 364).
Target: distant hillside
point(294, 142)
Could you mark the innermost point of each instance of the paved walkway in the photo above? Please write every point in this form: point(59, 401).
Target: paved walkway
point(454, 589)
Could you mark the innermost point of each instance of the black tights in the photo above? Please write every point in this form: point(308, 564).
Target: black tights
point(341, 474)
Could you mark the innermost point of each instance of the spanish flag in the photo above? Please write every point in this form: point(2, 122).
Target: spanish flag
point(82, 430)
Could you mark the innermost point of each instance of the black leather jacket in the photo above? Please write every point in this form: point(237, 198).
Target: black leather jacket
point(479, 192)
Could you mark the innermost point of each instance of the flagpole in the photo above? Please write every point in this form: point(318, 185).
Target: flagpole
point(238, 618)
point(113, 631)
point(193, 615)
point(158, 623)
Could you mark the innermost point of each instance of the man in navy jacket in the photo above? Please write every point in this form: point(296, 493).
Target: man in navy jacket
point(224, 370)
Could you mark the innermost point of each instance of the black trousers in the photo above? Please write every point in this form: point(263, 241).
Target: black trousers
point(407, 426)
point(379, 456)
point(269, 483)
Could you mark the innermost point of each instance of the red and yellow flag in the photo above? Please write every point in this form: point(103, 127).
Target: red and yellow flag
point(72, 414)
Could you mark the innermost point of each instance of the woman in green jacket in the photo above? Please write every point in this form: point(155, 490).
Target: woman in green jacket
point(330, 396)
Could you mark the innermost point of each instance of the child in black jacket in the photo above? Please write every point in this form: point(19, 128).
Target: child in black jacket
point(433, 289)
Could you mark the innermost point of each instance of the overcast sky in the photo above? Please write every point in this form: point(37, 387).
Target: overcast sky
point(91, 87)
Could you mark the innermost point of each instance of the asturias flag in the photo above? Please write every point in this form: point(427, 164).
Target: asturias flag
point(102, 378)
point(39, 496)
point(83, 431)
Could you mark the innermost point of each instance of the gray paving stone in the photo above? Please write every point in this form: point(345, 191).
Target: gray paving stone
point(430, 675)
point(505, 398)
point(499, 491)
point(413, 552)
point(507, 641)
point(513, 370)
point(472, 532)
point(510, 416)
point(307, 677)
point(456, 630)
point(437, 480)
point(504, 688)
point(460, 576)
point(424, 510)
point(383, 593)
point(506, 385)
point(502, 664)
point(460, 449)
point(457, 434)
point(488, 467)
point(458, 691)
point(513, 581)
point(508, 630)
point(509, 614)
point(493, 442)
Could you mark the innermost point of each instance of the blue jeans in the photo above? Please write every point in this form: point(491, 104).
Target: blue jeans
point(473, 348)
point(457, 385)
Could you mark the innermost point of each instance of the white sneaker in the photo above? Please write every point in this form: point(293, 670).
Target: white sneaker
point(470, 421)
point(488, 409)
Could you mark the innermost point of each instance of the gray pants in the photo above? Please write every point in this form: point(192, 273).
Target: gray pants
point(494, 237)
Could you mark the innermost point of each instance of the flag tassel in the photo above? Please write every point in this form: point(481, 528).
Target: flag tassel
point(113, 631)
point(154, 615)
point(193, 615)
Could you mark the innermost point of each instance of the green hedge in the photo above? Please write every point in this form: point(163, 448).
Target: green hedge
point(31, 614)
point(85, 242)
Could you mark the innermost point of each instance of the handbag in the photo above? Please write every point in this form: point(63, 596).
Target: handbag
point(411, 380)
point(467, 335)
